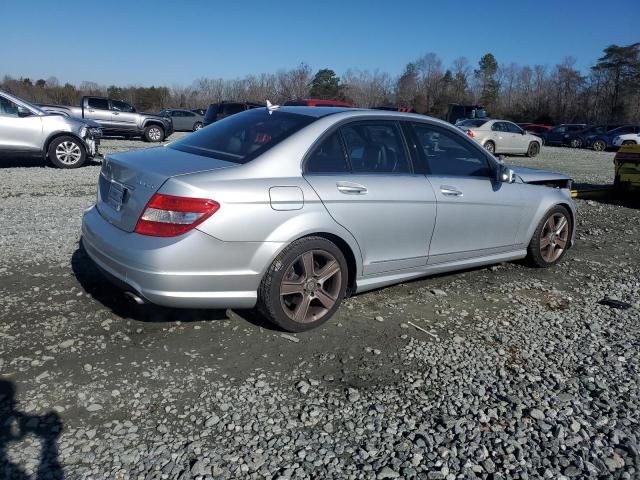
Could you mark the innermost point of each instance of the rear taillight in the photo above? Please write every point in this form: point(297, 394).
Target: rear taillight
point(168, 215)
point(471, 133)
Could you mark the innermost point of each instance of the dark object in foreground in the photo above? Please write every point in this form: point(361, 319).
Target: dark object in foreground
point(613, 303)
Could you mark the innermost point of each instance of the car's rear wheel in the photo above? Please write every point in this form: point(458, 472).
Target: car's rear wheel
point(490, 146)
point(153, 133)
point(599, 145)
point(197, 126)
point(304, 285)
point(67, 152)
point(551, 238)
point(533, 150)
point(576, 143)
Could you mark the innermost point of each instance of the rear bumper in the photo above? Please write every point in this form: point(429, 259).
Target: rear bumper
point(194, 270)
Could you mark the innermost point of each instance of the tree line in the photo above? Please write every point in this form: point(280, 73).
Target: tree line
point(608, 93)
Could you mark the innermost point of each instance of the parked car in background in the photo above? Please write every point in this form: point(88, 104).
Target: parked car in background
point(604, 141)
point(314, 102)
point(560, 134)
point(218, 111)
point(118, 118)
point(183, 120)
point(28, 131)
point(396, 109)
point(293, 208)
point(536, 129)
point(200, 111)
point(579, 139)
point(501, 136)
point(626, 139)
point(456, 112)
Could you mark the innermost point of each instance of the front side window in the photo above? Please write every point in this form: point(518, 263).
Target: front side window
point(559, 129)
point(375, 147)
point(118, 106)
point(8, 108)
point(512, 128)
point(328, 157)
point(449, 154)
point(241, 138)
point(98, 103)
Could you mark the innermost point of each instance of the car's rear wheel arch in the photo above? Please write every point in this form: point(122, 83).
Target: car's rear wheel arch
point(352, 266)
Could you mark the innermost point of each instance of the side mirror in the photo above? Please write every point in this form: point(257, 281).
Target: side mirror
point(506, 175)
point(23, 112)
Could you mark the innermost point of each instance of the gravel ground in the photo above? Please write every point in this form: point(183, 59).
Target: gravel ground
point(499, 372)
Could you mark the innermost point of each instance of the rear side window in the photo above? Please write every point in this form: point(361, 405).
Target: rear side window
point(98, 103)
point(449, 154)
point(375, 147)
point(328, 157)
point(232, 108)
point(241, 138)
point(119, 106)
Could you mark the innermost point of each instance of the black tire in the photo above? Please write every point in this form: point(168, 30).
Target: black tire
point(66, 152)
point(628, 142)
point(197, 126)
point(272, 304)
point(599, 145)
point(153, 133)
point(533, 150)
point(490, 147)
point(575, 143)
point(535, 257)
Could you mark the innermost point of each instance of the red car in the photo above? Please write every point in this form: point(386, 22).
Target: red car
point(312, 102)
point(535, 128)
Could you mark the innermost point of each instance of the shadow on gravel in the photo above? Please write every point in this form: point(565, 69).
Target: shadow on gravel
point(15, 426)
point(30, 162)
point(605, 194)
point(101, 289)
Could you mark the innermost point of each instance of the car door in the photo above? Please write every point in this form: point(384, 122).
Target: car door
point(97, 109)
point(476, 215)
point(556, 134)
point(20, 129)
point(124, 116)
point(188, 120)
point(499, 136)
point(364, 176)
point(516, 140)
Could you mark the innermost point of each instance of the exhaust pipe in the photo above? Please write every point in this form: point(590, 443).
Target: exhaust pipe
point(139, 300)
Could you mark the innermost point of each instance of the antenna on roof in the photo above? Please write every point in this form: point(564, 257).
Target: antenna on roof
point(271, 108)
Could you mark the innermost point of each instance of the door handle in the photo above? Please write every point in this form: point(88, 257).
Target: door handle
point(116, 113)
point(91, 110)
point(450, 191)
point(351, 188)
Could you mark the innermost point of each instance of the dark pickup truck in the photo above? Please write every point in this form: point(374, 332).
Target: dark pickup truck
point(117, 118)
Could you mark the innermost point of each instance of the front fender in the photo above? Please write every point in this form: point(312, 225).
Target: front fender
point(550, 199)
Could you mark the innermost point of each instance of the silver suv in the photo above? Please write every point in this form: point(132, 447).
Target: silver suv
point(28, 131)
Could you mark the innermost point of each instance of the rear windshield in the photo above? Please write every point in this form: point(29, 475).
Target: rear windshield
point(472, 122)
point(242, 137)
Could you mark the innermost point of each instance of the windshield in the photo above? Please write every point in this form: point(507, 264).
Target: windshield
point(472, 122)
point(242, 137)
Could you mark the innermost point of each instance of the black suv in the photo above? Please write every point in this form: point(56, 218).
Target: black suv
point(217, 111)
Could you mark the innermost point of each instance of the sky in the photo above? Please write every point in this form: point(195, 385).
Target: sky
point(141, 42)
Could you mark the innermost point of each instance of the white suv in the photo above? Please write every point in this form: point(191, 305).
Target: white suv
point(627, 139)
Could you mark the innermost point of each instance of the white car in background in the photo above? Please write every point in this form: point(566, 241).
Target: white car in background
point(627, 139)
point(501, 136)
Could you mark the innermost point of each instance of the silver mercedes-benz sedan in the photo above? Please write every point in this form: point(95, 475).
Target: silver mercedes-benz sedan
point(291, 209)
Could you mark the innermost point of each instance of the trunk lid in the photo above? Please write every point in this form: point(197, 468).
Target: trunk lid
point(128, 180)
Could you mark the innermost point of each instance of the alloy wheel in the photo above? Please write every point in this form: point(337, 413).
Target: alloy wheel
point(68, 153)
point(490, 147)
point(155, 134)
point(311, 286)
point(576, 143)
point(599, 145)
point(554, 237)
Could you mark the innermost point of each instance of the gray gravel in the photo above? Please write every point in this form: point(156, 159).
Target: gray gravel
point(499, 372)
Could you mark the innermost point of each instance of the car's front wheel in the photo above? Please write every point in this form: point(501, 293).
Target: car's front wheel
point(576, 143)
point(153, 133)
point(533, 150)
point(67, 152)
point(551, 238)
point(599, 145)
point(197, 126)
point(304, 285)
